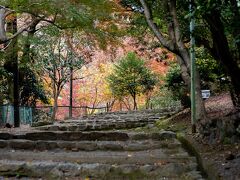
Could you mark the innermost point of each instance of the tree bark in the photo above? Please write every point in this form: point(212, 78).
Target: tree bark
point(3, 36)
point(15, 75)
point(71, 93)
point(1, 111)
point(11, 65)
point(134, 102)
point(147, 104)
point(54, 93)
point(55, 104)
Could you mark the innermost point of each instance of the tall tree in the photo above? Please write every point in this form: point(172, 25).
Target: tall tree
point(222, 22)
point(57, 61)
point(84, 16)
point(11, 65)
point(162, 18)
point(131, 77)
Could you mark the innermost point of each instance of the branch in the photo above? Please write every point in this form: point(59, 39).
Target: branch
point(9, 11)
point(53, 22)
point(2, 41)
point(78, 78)
point(5, 47)
point(154, 28)
point(178, 36)
point(3, 36)
point(172, 9)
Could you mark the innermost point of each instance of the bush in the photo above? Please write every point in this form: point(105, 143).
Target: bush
point(163, 99)
point(175, 83)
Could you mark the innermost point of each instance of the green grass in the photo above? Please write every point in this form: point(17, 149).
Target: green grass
point(164, 124)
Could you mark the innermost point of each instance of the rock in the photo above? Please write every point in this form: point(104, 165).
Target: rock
point(230, 156)
point(62, 128)
point(41, 123)
point(53, 128)
point(7, 125)
point(3, 144)
point(147, 168)
point(5, 136)
point(150, 126)
point(164, 135)
point(41, 146)
point(192, 175)
point(41, 136)
point(111, 146)
point(140, 136)
point(82, 127)
point(86, 146)
point(41, 118)
point(55, 173)
point(67, 145)
point(21, 144)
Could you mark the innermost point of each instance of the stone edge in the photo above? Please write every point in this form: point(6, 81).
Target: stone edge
point(207, 169)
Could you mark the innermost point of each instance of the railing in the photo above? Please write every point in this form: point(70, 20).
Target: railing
point(77, 111)
point(7, 114)
point(27, 113)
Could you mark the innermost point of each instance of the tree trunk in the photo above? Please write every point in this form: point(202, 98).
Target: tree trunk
point(147, 104)
point(55, 97)
point(1, 111)
point(71, 93)
point(55, 106)
point(223, 54)
point(176, 46)
point(13, 63)
point(3, 36)
point(200, 108)
point(134, 102)
point(120, 105)
point(16, 79)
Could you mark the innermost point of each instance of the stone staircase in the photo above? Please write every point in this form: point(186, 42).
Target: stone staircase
point(111, 120)
point(95, 155)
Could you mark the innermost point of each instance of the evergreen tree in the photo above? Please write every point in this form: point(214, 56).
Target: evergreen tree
point(131, 77)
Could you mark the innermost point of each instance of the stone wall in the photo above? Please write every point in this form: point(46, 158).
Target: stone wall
point(225, 129)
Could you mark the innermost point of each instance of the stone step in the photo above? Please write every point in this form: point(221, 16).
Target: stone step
point(88, 136)
point(117, 119)
point(63, 170)
point(92, 125)
point(103, 120)
point(99, 156)
point(122, 116)
point(107, 121)
point(42, 145)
